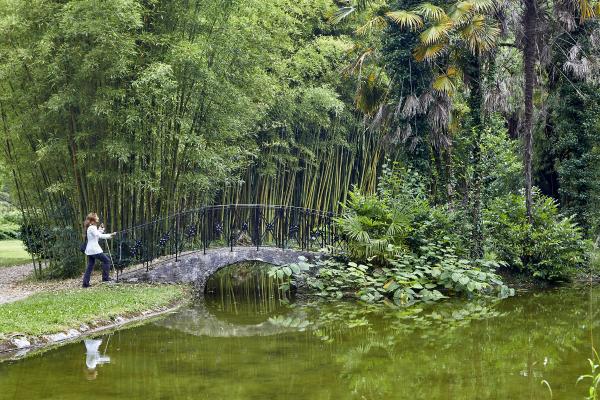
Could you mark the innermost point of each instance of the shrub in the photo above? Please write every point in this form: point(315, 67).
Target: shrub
point(65, 261)
point(10, 216)
point(594, 260)
point(9, 231)
point(396, 220)
point(432, 276)
point(502, 168)
point(402, 248)
point(37, 241)
point(60, 246)
point(550, 248)
point(10, 221)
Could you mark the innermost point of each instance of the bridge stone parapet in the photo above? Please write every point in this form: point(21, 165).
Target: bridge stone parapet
point(197, 267)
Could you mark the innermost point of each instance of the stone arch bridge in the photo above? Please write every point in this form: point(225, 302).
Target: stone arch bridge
point(190, 246)
point(197, 267)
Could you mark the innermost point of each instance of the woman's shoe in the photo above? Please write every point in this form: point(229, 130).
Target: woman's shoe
point(85, 286)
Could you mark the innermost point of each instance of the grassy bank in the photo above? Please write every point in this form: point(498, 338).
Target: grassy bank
point(12, 253)
point(46, 313)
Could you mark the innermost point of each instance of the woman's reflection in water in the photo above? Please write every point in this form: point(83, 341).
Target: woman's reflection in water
point(93, 358)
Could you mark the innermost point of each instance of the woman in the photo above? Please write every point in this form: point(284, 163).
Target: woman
point(93, 250)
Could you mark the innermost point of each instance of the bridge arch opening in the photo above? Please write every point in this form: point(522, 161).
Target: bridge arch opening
point(243, 293)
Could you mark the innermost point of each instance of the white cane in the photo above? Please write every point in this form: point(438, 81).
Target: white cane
point(112, 264)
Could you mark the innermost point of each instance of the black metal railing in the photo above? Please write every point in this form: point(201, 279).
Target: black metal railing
point(225, 226)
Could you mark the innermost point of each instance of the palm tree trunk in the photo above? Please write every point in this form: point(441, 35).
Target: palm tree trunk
point(530, 27)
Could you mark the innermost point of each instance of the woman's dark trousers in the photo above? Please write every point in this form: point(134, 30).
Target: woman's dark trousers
point(90, 267)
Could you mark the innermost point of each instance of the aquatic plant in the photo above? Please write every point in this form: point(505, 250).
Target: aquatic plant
point(429, 277)
point(594, 376)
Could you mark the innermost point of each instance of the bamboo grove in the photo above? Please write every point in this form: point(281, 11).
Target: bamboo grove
point(143, 108)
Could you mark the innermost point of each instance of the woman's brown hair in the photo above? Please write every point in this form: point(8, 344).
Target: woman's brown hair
point(91, 219)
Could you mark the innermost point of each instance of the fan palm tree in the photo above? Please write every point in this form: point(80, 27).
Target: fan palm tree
point(565, 10)
point(454, 40)
point(469, 19)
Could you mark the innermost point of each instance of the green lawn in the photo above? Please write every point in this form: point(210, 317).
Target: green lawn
point(45, 313)
point(12, 252)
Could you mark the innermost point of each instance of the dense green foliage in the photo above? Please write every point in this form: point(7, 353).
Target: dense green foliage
point(402, 248)
point(398, 219)
point(574, 148)
point(10, 217)
point(435, 275)
point(137, 109)
point(551, 248)
point(569, 162)
point(9, 226)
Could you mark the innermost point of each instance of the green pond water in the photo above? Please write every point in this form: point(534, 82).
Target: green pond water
point(243, 343)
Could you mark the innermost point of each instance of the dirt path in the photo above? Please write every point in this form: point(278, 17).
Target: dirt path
point(16, 283)
point(10, 277)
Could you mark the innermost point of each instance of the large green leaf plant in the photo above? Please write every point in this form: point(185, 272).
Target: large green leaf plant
point(402, 249)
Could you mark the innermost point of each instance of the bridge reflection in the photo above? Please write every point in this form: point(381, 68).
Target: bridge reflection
point(240, 300)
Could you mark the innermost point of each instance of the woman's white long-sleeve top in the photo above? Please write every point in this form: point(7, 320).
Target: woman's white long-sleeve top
point(93, 235)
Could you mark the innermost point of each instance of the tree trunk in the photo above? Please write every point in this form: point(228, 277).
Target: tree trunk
point(529, 59)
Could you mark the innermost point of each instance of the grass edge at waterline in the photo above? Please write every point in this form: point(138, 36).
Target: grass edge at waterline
point(51, 312)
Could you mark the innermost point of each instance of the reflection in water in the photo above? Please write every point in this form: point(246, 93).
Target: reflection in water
point(239, 301)
point(244, 292)
point(93, 358)
point(248, 349)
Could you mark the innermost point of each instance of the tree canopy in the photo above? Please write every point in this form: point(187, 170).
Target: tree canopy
point(142, 108)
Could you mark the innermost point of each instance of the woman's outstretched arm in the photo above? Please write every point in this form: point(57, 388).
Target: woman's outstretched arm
point(99, 233)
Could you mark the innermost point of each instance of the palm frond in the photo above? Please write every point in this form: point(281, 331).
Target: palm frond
point(443, 83)
point(480, 34)
point(587, 9)
point(399, 107)
point(453, 72)
point(459, 11)
point(380, 118)
point(371, 25)
point(436, 33)
point(341, 14)
point(411, 106)
point(447, 82)
point(353, 227)
point(405, 19)
point(431, 12)
point(439, 119)
point(425, 101)
point(483, 6)
point(405, 133)
point(357, 65)
point(428, 53)
point(370, 94)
